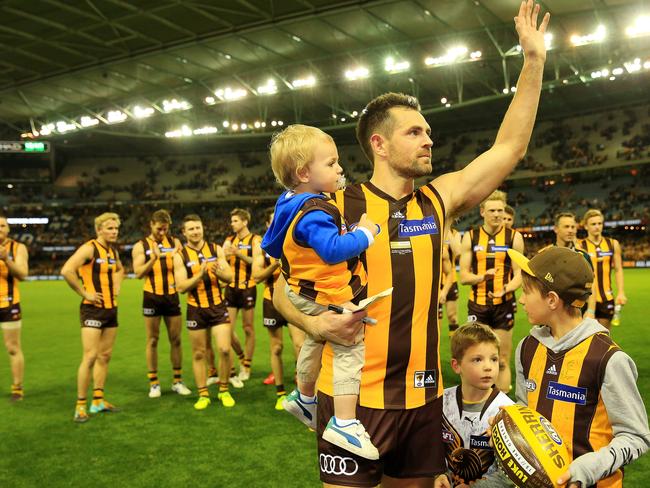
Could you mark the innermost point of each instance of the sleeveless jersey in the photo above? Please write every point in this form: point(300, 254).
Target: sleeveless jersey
point(466, 435)
point(9, 293)
point(160, 279)
point(565, 388)
point(308, 275)
point(242, 271)
point(491, 251)
point(97, 274)
point(271, 280)
point(207, 292)
point(402, 364)
point(602, 260)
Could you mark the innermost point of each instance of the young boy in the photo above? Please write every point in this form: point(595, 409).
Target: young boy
point(320, 262)
point(571, 371)
point(467, 407)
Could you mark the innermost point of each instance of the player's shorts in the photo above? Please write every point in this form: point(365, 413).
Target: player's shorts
point(204, 318)
point(11, 313)
point(272, 318)
point(496, 316)
point(605, 310)
point(160, 305)
point(97, 317)
point(406, 440)
point(236, 298)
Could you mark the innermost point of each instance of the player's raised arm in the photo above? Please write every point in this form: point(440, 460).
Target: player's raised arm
point(464, 189)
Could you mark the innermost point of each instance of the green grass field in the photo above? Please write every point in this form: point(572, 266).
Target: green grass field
point(165, 442)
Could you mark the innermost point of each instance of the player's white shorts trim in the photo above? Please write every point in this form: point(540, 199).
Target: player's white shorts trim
point(14, 325)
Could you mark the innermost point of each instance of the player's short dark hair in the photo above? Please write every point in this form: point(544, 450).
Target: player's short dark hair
point(191, 218)
point(562, 215)
point(471, 334)
point(376, 117)
point(509, 210)
point(161, 216)
point(268, 212)
point(241, 213)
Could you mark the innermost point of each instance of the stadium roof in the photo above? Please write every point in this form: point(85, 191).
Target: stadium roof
point(62, 61)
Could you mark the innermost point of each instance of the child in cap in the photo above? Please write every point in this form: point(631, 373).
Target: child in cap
point(573, 373)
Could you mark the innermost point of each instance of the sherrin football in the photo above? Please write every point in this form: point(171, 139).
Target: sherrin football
point(527, 448)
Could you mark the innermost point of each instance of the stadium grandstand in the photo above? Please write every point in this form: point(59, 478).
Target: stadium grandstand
point(133, 107)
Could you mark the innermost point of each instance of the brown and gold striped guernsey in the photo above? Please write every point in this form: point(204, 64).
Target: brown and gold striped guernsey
point(9, 293)
point(402, 365)
point(602, 258)
point(491, 251)
point(271, 280)
point(565, 388)
point(160, 280)
point(242, 271)
point(97, 274)
point(305, 271)
point(207, 292)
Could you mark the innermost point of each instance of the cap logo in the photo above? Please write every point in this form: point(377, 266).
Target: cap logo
point(589, 285)
point(549, 277)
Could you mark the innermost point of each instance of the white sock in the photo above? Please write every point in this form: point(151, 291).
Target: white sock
point(307, 399)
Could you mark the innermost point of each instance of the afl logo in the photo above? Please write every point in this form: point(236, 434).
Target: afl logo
point(531, 385)
point(338, 465)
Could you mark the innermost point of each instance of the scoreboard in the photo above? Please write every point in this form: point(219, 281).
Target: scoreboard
point(24, 147)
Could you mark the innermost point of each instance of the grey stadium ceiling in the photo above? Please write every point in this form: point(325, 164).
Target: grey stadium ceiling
point(61, 60)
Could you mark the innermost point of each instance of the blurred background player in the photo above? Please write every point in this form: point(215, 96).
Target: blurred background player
point(508, 217)
point(468, 406)
point(98, 264)
point(198, 267)
point(449, 291)
point(153, 261)
point(14, 267)
point(485, 265)
point(267, 270)
point(241, 293)
point(605, 254)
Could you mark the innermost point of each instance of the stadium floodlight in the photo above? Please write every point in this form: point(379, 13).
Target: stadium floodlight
point(505, 91)
point(303, 82)
point(273, 123)
point(617, 71)
point(447, 104)
point(47, 129)
point(646, 65)
point(280, 123)
point(86, 121)
point(513, 89)
point(63, 126)
point(243, 126)
point(257, 124)
point(209, 100)
point(548, 40)
point(392, 66)
point(263, 124)
point(475, 55)
point(598, 35)
point(641, 27)
point(633, 66)
point(174, 104)
point(230, 94)
point(234, 126)
point(225, 124)
point(142, 112)
point(452, 55)
point(269, 89)
point(354, 113)
point(208, 129)
point(115, 116)
point(443, 100)
point(357, 73)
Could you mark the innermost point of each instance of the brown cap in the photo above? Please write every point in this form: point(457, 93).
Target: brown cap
point(562, 270)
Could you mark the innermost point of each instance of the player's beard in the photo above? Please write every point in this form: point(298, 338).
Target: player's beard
point(415, 170)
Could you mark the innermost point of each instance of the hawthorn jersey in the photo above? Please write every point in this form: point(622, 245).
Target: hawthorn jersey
point(465, 432)
point(602, 260)
point(402, 366)
point(97, 275)
point(491, 251)
point(207, 292)
point(9, 293)
point(242, 271)
point(160, 279)
point(565, 388)
point(306, 272)
point(271, 280)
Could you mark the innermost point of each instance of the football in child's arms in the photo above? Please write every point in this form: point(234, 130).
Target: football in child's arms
point(527, 448)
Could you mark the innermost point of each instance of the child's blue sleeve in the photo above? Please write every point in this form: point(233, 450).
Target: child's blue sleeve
point(318, 230)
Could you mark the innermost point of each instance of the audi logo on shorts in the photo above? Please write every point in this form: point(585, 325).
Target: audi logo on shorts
point(149, 311)
point(270, 322)
point(338, 465)
point(191, 324)
point(92, 323)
